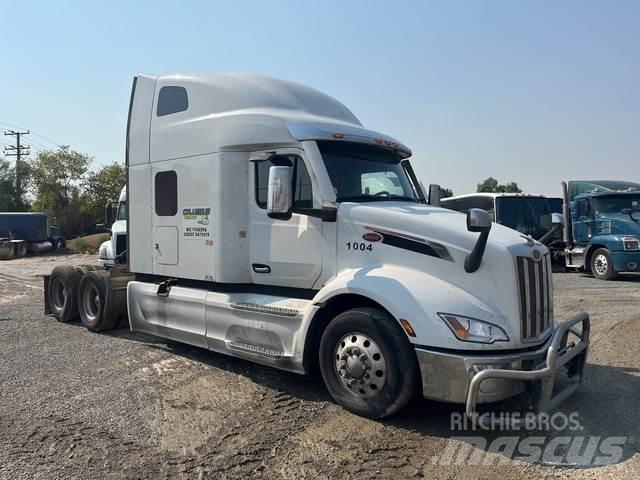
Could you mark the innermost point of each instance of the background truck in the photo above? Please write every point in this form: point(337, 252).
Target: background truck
point(602, 226)
point(116, 246)
point(530, 215)
point(265, 222)
point(22, 232)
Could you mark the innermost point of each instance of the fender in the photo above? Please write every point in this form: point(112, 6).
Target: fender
point(418, 298)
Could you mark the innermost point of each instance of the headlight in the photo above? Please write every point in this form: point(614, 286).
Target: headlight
point(631, 243)
point(473, 330)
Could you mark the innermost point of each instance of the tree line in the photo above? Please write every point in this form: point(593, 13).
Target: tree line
point(62, 184)
point(490, 185)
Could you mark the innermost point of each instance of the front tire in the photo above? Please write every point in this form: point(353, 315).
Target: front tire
point(602, 265)
point(368, 364)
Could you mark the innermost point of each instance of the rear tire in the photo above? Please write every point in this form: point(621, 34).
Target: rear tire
point(91, 303)
point(368, 363)
point(602, 265)
point(63, 290)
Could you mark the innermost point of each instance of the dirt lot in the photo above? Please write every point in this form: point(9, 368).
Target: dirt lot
point(119, 405)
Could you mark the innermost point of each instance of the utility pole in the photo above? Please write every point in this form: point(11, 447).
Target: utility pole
point(17, 151)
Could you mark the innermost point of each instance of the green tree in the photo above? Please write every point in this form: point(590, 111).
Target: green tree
point(104, 187)
point(491, 185)
point(10, 199)
point(445, 192)
point(57, 180)
point(7, 186)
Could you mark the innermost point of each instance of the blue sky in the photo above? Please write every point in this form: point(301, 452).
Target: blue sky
point(525, 91)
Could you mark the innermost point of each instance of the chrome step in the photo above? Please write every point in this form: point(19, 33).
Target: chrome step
point(255, 349)
point(270, 309)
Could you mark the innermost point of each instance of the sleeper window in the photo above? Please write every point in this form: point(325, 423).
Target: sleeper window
point(166, 193)
point(172, 100)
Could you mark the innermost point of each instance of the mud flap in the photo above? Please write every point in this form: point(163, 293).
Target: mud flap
point(47, 306)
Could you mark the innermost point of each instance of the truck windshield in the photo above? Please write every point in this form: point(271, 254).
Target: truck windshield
point(616, 203)
point(364, 173)
point(528, 215)
point(122, 211)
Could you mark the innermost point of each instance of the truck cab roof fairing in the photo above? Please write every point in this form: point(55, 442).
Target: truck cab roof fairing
point(239, 112)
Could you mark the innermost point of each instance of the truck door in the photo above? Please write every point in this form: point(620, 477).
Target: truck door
point(582, 223)
point(284, 252)
point(165, 227)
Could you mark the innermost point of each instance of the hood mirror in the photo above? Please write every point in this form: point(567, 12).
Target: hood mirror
point(478, 220)
point(629, 211)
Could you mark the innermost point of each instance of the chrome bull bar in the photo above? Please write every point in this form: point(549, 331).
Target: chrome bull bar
point(559, 354)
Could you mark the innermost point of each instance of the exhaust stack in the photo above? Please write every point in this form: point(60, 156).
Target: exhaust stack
point(567, 234)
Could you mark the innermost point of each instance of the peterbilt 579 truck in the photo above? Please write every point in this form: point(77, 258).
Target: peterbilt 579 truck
point(265, 222)
point(529, 214)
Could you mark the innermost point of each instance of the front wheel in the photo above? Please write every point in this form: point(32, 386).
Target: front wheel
point(368, 364)
point(602, 265)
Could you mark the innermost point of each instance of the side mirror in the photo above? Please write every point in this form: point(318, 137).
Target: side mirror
point(280, 193)
point(557, 219)
point(478, 220)
point(434, 195)
point(100, 227)
point(108, 212)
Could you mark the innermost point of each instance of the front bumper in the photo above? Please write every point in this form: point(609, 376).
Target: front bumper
point(626, 260)
point(476, 378)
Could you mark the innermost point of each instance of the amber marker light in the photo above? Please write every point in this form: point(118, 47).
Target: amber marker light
point(407, 327)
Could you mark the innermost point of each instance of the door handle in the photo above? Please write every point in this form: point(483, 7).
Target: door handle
point(261, 268)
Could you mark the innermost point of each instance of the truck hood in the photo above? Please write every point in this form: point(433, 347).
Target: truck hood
point(436, 224)
point(490, 294)
point(621, 224)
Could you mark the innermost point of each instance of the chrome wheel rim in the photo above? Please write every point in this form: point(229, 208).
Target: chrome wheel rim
point(600, 264)
point(58, 293)
point(360, 365)
point(90, 303)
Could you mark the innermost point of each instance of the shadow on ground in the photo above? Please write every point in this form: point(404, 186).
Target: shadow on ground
point(602, 434)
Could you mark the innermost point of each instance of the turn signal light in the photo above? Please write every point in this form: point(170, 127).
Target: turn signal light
point(407, 327)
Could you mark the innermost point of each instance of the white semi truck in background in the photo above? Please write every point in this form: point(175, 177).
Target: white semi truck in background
point(116, 246)
point(265, 222)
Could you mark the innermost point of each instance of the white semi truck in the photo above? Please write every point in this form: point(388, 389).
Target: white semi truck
point(265, 222)
point(116, 246)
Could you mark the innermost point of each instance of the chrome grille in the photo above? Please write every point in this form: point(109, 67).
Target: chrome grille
point(536, 298)
point(121, 243)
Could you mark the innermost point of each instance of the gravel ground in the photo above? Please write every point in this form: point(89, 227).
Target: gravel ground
point(119, 405)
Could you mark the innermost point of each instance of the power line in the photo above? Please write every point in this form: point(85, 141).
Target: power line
point(32, 133)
